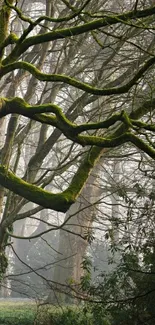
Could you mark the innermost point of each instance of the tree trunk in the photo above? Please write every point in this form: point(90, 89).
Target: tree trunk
point(73, 242)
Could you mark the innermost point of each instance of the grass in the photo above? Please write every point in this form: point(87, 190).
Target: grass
point(24, 313)
point(28, 313)
point(17, 313)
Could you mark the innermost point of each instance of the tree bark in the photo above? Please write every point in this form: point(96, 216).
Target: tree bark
point(73, 243)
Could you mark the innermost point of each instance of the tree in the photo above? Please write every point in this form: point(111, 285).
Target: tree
point(128, 291)
point(50, 51)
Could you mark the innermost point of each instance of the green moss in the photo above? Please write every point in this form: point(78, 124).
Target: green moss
point(72, 31)
point(141, 145)
point(4, 23)
point(59, 202)
point(83, 172)
point(74, 82)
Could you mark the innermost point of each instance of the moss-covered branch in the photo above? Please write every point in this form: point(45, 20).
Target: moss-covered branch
point(47, 18)
point(142, 145)
point(58, 202)
point(73, 131)
point(19, 106)
point(74, 82)
point(62, 201)
point(143, 125)
point(18, 11)
point(76, 30)
point(11, 39)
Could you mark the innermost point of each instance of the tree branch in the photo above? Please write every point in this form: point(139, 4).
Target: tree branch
point(76, 30)
point(74, 82)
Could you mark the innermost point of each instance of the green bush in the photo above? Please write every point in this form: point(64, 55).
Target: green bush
point(72, 315)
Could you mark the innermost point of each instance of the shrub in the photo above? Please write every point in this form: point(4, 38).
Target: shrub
point(72, 315)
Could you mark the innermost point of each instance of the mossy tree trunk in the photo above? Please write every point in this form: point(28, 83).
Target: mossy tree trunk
point(6, 152)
